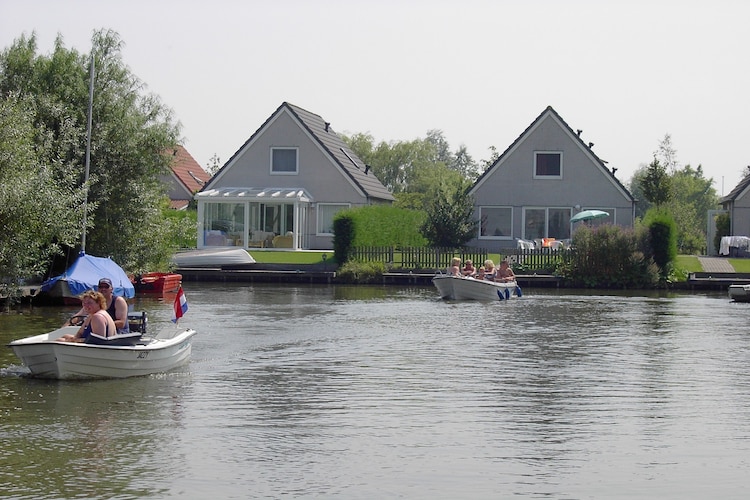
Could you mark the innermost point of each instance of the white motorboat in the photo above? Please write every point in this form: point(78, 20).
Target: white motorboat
point(46, 357)
point(211, 257)
point(739, 293)
point(468, 288)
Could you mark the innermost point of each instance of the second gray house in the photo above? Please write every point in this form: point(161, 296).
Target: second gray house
point(544, 178)
point(282, 188)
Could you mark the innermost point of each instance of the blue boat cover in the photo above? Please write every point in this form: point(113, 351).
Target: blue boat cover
point(85, 273)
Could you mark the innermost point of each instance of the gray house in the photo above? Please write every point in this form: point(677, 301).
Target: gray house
point(737, 203)
point(542, 180)
point(282, 188)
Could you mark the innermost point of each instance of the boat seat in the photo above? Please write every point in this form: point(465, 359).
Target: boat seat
point(137, 321)
point(121, 339)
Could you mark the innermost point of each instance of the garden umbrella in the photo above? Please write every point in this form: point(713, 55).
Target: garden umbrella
point(589, 215)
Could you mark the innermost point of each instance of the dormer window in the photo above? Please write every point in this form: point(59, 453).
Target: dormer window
point(547, 165)
point(284, 161)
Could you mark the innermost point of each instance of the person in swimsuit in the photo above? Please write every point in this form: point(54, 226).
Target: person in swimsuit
point(98, 321)
point(117, 307)
point(505, 273)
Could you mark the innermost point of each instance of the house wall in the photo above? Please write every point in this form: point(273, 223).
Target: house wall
point(584, 182)
point(740, 214)
point(317, 174)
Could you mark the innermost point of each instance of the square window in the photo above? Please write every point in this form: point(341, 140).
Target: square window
point(283, 160)
point(548, 165)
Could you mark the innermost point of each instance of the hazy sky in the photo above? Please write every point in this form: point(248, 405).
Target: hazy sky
point(627, 73)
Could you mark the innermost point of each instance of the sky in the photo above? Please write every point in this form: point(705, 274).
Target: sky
point(625, 72)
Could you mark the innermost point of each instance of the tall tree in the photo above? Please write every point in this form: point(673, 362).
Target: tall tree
point(131, 142)
point(450, 215)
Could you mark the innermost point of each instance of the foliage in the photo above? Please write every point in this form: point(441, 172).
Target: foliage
point(343, 235)
point(376, 225)
point(361, 272)
point(450, 218)
point(662, 231)
point(609, 256)
point(656, 184)
point(723, 228)
point(684, 192)
point(34, 202)
point(131, 140)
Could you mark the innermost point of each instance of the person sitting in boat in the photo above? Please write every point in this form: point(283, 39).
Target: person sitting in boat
point(98, 321)
point(116, 306)
point(455, 269)
point(480, 273)
point(468, 269)
point(505, 273)
point(489, 270)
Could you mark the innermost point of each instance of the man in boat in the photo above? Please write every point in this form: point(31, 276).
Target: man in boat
point(505, 273)
point(116, 306)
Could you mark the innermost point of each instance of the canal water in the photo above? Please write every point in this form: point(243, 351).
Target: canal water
point(327, 391)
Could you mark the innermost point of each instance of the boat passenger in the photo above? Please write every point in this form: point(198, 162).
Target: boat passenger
point(480, 274)
point(505, 273)
point(468, 269)
point(489, 270)
point(98, 320)
point(455, 269)
point(117, 307)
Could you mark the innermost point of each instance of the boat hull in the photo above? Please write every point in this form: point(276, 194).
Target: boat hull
point(739, 293)
point(48, 358)
point(159, 283)
point(211, 257)
point(465, 288)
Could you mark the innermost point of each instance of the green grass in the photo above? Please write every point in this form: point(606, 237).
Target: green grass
point(271, 257)
point(688, 264)
point(740, 265)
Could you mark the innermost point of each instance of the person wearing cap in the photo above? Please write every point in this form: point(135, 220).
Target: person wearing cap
point(116, 306)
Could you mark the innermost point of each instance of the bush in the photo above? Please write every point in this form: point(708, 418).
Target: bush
point(361, 272)
point(662, 230)
point(609, 257)
point(723, 224)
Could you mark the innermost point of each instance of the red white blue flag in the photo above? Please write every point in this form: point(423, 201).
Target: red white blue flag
point(180, 306)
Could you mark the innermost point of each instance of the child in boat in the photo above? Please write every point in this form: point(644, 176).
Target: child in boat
point(489, 270)
point(468, 269)
point(480, 274)
point(455, 269)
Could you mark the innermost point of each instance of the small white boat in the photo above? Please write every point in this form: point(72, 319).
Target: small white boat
point(211, 257)
point(739, 293)
point(467, 288)
point(47, 358)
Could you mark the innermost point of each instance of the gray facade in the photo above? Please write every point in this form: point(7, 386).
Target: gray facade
point(284, 185)
point(543, 179)
point(737, 203)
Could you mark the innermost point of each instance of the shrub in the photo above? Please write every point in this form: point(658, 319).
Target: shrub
point(662, 230)
point(722, 229)
point(609, 257)
point(361, 272)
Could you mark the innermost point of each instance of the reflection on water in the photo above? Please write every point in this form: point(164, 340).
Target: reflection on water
point(365, 392)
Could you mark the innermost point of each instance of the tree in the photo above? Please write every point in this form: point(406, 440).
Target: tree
point(656, 184)
point(34, 203)
point(450, 216)
point(132, 137)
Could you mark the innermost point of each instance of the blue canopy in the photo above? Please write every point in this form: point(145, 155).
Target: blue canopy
point(85, 273)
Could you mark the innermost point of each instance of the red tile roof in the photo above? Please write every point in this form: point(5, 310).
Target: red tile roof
point(188, 171)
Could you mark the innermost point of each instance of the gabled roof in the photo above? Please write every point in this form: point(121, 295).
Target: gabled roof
point(344, 158)
point(187, 171)
point(549, 111)
point(738, 190)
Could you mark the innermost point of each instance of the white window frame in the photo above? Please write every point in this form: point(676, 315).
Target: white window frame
point(321, 207)
point(492, 237)
point(548, 177)
point(285, 172)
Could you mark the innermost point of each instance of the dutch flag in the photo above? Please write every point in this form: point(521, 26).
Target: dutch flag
point(180, 306)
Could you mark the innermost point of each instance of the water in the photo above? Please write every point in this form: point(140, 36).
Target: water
point(373, 392)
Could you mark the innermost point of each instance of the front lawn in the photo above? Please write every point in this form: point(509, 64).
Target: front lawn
point(282, 257)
